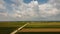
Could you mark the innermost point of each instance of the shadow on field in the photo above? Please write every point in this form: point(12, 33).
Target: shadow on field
point(7, 30)
point(38, 33)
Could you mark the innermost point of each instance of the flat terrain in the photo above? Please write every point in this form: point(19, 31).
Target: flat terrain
point(31, 24)
point(40, 30)
point(38, 26)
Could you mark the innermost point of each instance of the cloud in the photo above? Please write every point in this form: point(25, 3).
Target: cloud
point(2, 8)
point(18, 10)
point(34, 9)
point(4, 14)
point(2, 4)
point(48, 10)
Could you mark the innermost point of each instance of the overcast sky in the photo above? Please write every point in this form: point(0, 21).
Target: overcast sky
point(29, 10)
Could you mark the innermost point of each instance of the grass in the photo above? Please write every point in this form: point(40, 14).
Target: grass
point(8, 27)
point(7, 30)
point(32, 24)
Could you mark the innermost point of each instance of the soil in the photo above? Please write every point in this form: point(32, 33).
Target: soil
point(40, 30)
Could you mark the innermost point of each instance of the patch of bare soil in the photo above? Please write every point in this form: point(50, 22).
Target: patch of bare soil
point(40, 30)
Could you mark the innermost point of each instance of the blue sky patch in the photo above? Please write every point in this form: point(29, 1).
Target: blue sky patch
point(27, 1)
point(39, 1)
point(8, 1)
point(42, 1)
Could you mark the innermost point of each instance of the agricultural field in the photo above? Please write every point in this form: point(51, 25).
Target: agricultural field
point(31, 24)
point(8, 27)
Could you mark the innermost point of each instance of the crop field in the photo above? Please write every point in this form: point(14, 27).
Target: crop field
point(35, 26)
point(31, 24)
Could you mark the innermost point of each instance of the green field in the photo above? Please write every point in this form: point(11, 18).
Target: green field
point(31, 24)
point(8, 27)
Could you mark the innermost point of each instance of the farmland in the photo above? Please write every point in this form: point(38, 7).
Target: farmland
point(8, 27)
point(31, 24)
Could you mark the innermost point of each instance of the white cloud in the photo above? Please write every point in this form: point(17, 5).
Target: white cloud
point(2, 4)
point(48, 10)
point(32, 9)
point(4, 14)
point(2, 8)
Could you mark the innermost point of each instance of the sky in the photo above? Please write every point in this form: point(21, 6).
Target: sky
point(29, 10)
